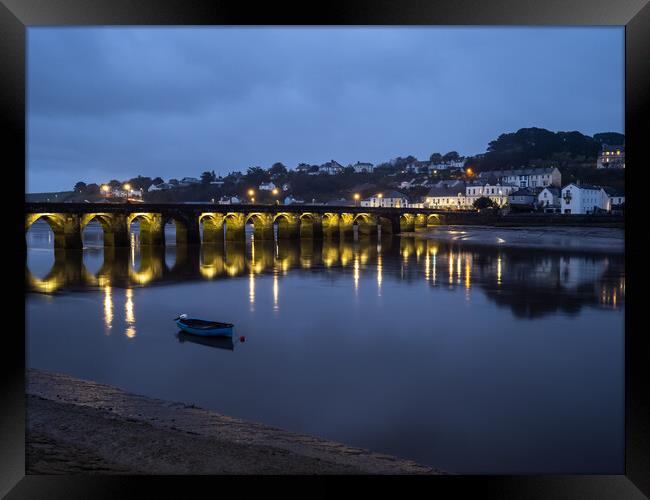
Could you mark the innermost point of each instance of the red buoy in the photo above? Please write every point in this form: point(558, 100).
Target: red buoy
point(242, 339)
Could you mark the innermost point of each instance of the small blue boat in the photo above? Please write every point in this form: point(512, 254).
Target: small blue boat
point(203, 327)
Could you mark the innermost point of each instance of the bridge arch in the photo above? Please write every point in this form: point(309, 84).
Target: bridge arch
point(235, 223)
point(151, 227)
point(65, 226)
point(433, 220)
point(389, 225)
point(330, 222)
point(262, 225)
point(407, 223)
point(213, 227)
point(311, 225)
point(366, 225)
point(288, 225)
point(187, 228)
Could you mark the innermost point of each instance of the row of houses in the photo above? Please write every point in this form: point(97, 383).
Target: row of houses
point(333, 167)
point(431, 167)
point(184, 182)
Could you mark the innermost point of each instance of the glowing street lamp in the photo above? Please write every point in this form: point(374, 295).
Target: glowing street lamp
point(380, 196)
point(356, 198)
point(251, 192)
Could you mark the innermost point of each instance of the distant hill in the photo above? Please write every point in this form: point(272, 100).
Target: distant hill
point(538, 146)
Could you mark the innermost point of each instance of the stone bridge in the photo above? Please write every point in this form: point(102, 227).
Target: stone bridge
point(226, 222)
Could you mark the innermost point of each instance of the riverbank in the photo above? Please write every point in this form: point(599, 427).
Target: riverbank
point(80, 426)
point(568, 239)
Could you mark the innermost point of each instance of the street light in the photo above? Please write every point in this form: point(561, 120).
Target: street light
point(356, 198)
point(380, 196)
point(251, 192)
point(274, 192)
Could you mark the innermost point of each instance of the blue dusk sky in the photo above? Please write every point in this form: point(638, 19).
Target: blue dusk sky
point(113, 103)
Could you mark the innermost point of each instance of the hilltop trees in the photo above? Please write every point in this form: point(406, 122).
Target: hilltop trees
point(208, 177)
point(256, 176)
point(532, 144)
point(451, 156)
point(278, 169)
point(80, 187)
point(140, 182)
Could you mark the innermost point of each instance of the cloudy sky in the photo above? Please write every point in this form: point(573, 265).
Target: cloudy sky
point(113, 103)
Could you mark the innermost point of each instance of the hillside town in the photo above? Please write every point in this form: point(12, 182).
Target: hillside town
point(445, 182)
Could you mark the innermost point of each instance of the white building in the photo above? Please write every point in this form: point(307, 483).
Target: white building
point(611, 157)
point(615, 198)
point(268, 186)
point(187, 181)
point(583, 199)
point(331, 168)
point(447, 165)
point(388, 198)
point(229, 200)
point(161, 187)
point(537, 177)
point(417, 166)
point(549, 199)
point(290, 200)
point(490, 188)
point(449, 195)
point(360, 168)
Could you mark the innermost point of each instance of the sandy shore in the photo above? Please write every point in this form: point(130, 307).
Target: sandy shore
point(572, 239)
point(79, 426)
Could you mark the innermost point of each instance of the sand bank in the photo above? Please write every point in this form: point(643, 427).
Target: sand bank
point(79, 426)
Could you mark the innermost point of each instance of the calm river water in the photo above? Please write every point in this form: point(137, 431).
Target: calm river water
point(473, 360)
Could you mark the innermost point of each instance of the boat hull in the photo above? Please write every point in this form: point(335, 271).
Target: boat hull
point(206, 332)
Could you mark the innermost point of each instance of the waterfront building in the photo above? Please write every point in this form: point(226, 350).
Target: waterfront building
point(489, 188)
point(522, 200)
point(267, 186)
point(388, 198)
point(549, 199)
point(615, 198)
point(583, 199)
point(534, 177)
point(611, 157)
point(448, 195)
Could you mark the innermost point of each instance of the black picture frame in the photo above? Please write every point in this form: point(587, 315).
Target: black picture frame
point(17, 15)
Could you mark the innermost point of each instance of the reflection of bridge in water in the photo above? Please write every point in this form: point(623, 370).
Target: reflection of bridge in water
point(530, 283)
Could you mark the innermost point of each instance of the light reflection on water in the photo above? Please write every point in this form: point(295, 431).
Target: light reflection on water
point(406, 346)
